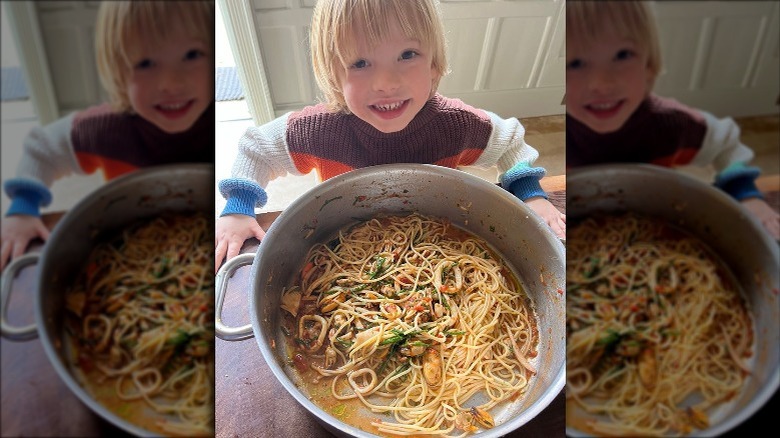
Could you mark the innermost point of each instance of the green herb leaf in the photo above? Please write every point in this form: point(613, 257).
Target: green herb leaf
point(379, 268)
point(164, 267)
point(344, 343)
point(339, 410)
point(454, 333)
point(611, 338)
point(181, 338)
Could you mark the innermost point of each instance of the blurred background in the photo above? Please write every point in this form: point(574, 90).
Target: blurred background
point(48, 67)
point(724, 57)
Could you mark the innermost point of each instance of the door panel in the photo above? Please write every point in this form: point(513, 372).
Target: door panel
point(68, 30)
point(720, 56)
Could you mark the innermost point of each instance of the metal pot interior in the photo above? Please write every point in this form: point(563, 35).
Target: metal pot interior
point(484, 209)
point(719, 221)
point(139, 195)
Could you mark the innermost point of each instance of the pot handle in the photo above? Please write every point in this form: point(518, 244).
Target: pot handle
point(220, 287)
point(11, 271)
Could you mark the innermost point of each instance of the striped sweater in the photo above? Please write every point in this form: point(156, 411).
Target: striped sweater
point(667, 133)
point(99, 138)
point(445, 132)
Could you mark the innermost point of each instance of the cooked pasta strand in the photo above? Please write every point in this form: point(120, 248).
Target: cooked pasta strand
point(653, 322)
point(419, 316)
point(142, 314)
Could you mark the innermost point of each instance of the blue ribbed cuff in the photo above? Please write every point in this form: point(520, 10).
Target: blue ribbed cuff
point(523, 181)
point(740, 182)
point(27, 196)
point(526, 188)
point(242, 196)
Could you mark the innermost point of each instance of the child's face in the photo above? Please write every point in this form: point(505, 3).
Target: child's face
point(605, 82)
point(172, 81)
point(386, 86)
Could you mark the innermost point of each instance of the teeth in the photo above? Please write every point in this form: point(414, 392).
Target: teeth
point(389, 106)
point(173, 106)
point(603, 106)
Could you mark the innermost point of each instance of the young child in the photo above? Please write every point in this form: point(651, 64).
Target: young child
point(612, 61)
point(156, 62)
point(379, 78)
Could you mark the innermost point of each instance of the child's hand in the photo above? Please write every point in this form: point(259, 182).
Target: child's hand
point(765, 214)
point(554, 218)
point(232, 231)
point(17, 232)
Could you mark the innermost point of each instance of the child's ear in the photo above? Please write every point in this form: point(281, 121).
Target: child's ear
point(651, 77)
point(435, 79)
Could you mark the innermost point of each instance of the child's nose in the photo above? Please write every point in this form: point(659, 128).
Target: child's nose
point(601, 80)
point(386, 79)
point(172, 79)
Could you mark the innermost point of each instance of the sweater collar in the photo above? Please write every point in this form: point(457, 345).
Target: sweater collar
point(588, 138)
point(204, 126)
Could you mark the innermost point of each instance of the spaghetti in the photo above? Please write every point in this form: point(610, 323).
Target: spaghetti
point(143, 323)
point(413, 318)
point(657, 334)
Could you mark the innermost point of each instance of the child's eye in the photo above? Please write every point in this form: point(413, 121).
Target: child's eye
point(361, 63)
point(573, 64)
point(624, 54)
point(409, 54)
point(194, 54)
point(143, 64)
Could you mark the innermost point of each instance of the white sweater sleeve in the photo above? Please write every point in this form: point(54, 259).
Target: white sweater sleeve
point(722, 146)
point(263, 154)
point(506, 146)
point(48, 153)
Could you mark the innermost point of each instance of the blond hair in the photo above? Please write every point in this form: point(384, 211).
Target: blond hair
point(336, 22)
point(122, 26)
point(634, 20)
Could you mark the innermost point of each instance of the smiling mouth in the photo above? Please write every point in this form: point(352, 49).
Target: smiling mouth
point(388, 111)
point(389, 106)
point(174, 110)
point(605, 109)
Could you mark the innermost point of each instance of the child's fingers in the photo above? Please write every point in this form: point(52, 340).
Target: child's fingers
point(233, 248)
point(5, 253)
point(43, 232)
point(219, 254)
point(559, 228)
point(19, 247)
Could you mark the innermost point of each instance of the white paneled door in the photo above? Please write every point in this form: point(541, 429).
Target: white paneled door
point(504, 56)
point(721, 56)
point(55, 41)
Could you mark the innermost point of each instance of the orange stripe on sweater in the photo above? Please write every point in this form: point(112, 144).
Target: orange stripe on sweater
point(326, 169)
point(111, 168)
point(467, 157)
point(681, 157)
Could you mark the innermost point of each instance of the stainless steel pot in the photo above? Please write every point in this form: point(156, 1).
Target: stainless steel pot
point(484, 209)
point(726, 227)
point(142, 194)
